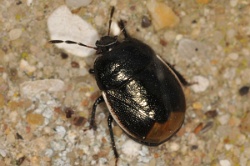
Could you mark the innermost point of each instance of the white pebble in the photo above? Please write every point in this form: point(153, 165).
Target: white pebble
point(233, 56)
point(29, 2)
point(13, 116)
point(144, 159)
point(26, 67)
point(191, 48)
point(228, 146)
point(144, 151)
point(99, 20)
point(71, 136)
point(3, 153)
point(131, 148)
point(58, 145)
point(63, 25)
point(225, 163)
point(233, 3)
point(115, 29)
point(77, 3)
point(103, 161)
point(231, 33)
point(170, 35)
point(245, 52)
point(15, 34)
point(49, 152)
point(48, 113)
point(192, 139)
point(30, 89)
point(223, 119)
point(200, 84)
point(178, 37)
point(174, 147)
point(60, 131)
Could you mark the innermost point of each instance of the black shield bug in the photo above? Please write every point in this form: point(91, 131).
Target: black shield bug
point(143, 93)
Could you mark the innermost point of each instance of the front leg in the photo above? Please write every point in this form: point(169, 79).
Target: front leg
point(92, 123)
point(180, 77)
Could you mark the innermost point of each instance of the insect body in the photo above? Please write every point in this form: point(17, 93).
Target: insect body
point(142, 92)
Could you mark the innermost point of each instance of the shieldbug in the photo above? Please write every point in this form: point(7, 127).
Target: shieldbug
point(143, 93)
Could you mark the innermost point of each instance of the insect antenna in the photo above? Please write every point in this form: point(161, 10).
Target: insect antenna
point(110, 18)
point(71, 42)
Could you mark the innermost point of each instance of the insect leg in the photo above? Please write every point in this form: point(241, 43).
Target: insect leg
point(92, 118)
point(122, 27)
point(178, 74)
point(110, 120)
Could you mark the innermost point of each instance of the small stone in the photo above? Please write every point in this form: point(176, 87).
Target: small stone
point(245, 123)
point(198, 128)
point(152, 162)
point(197, 105)
point(174, 147)
point(207, 127)
point(223, 119)
point(47, 113)
point(3, 152)
point(71, 136)
point(211, 113)
point(34, 119)
point(162, 15)
point(225, 163)
point(203, 1)
point(18, 136)
point(223, 130)
point(233, 56)
point(201, 84)
point(99, 20)
point(117, 131)
point(190, 48)
point(2, 101)
point(233, 3)
point(49, 152)
point(74, 64)
point(77, 3)
point(20, 160)
point(228, 146)
point(26, 67)
point(64, 55)
point(231, 33)
point(68, 112)
point(11, 138)
point(244, 90)
point(19, 105)
point(60, 131)
point(115, 29)
point(13, 116)
point(63, 25)
point(79, 121)
point(15, 34)
point(58, 145)
point(145, 22)
point(192, 139)
point(29, 2)
point(31, 88)
point(131, 148)
point(4, 86)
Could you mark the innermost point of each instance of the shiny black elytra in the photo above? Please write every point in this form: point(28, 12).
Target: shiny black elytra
point(143, 93)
